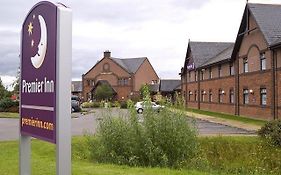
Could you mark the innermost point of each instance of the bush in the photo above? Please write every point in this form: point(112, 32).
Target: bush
point(6, 104)
point(123, 105)
point(90, 105)
point(271, 131)
point(115, 104)
point(162, 139)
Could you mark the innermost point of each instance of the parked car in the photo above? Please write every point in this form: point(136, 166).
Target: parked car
point(139, 106)
point(75, 104)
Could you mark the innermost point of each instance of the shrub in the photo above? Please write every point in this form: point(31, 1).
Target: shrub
point(6, 104)
point(162, 139)
point(123, 105)
point(271, 131)
point(116, 104)
point(91, 105)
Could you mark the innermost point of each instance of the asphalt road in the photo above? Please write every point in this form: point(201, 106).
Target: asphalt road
point(83, 124)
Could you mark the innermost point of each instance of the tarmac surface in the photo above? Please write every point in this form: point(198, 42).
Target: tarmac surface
point(87, 124)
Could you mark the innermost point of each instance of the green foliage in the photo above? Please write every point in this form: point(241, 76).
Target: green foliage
point(6, 105)
point(271, 131)
point(3, 91)
point(123, 105)
point(241, 155)
point(179, 101)
point(145, 92)
point(91, 105)
point(115, 104)
point(103, 92)
point(163, 139)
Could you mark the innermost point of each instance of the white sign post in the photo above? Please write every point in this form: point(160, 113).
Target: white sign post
point(63, 120)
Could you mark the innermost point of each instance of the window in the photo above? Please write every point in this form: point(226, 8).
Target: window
point(263, 61)
point(189, 75)
point(245, 96)
point(123, 81)
point(189, 95)
point(220, 96)
point(219, 70)
point(202, 74)
point(89, 82)
point(203, 95)
point(245, 65)
point(231, 96)
point(195, 75)
point(263, 96)
point(210, 73)
point(210, 96)
point(195, 95)
point(152, 81)
point(231, 69)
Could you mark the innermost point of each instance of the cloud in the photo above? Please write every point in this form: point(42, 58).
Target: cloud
point(157, 29)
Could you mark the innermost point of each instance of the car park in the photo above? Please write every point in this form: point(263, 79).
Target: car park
point(140, 106)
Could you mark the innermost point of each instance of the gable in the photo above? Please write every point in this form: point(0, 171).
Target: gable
point(101, 68)
point(266, 18)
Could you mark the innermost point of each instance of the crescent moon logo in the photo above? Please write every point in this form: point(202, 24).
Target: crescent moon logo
point(38, 59)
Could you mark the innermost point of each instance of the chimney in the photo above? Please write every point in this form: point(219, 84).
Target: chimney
point(107, 54)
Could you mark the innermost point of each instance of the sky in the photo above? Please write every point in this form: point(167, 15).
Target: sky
point(156, 29)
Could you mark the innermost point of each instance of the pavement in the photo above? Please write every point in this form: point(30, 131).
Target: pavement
point(231, 123)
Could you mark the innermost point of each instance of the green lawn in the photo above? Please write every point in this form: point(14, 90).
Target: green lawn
point(229, 117)
point(43, 162)
point(226, 155)
point(9, 115)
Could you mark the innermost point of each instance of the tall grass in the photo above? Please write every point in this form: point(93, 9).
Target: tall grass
point(164, 139)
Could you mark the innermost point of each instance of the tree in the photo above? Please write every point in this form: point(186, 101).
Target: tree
point(103, 92)
point(16, 83)
point(3, 91)
point(145, 92)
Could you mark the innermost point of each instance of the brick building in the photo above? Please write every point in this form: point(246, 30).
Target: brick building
point(240, 78)
point(125, 76)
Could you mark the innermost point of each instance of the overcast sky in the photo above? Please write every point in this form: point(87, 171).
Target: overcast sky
point(157, 29)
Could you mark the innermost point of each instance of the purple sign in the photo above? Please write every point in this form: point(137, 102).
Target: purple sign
point(38, 73)
point(190, 66)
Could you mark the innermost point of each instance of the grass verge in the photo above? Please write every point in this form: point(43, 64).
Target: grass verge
point(9, 115)
point(226, 155)
point(43, 161)
point(229, 117)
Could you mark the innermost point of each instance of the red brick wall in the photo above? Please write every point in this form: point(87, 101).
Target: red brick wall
point(253, 44)
point(144, 75)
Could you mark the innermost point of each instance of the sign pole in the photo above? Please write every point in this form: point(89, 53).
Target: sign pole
point(25, 152)
point(64, 53)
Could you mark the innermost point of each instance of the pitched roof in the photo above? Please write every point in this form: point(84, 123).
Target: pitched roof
point(203, 51)
point(76, 86)
point(154, 87)
point(169, 85)
point(268, 18)
point(130, 64)
point(222, 56)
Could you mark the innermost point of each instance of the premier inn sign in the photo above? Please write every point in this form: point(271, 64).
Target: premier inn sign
point(45, 94)
point(38, 73)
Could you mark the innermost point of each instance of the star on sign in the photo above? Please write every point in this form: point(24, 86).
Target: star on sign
point(30, 28)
